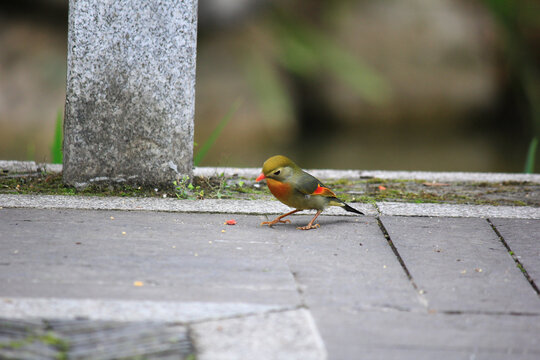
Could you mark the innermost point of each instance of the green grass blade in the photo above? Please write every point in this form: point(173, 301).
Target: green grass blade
point(56, 148)
point(531, 156)
point(216, 133)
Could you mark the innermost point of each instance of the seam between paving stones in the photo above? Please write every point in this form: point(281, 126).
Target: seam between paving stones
point(400, 260)
point(445, 350)
point(460, 312)
point(240, 316)
point(490, 313)
point(378, 209)
point(192, 343)
point(294, 276)
point(513, 255)
point(298, 287)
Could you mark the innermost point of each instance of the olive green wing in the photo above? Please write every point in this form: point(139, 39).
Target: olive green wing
point(309, 185)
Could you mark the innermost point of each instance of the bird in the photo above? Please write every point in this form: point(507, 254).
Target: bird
point(296, 188)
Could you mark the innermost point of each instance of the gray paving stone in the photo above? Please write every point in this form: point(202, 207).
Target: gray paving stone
point(13, 166)
point(381, 174)
point(456, 210)
point(430, 354)
point(461, 265)
point(159, 204)
point(357, 297)
point(346, 264)
point(523, 238)
point(452, 176)
point(30, 166)
point(413, 335)
point(128, 310)
point(177, 257)
point(279, 335)
point(342, 270)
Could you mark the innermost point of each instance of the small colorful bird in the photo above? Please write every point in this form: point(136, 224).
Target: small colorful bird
point(296, 188)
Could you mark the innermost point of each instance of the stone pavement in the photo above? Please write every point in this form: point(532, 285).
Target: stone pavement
point(406, 281)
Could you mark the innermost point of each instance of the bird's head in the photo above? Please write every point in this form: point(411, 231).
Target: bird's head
point(278, 167)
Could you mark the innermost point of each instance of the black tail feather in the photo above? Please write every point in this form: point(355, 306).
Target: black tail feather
point(351, 209)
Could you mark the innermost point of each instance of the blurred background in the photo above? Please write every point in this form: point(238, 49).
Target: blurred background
point(365, 84)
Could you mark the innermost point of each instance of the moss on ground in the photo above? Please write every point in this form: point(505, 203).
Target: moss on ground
point(363, 190)
point(50, 339)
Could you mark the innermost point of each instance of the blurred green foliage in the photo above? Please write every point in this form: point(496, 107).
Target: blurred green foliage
point(517, 21)
point(308, 51)
point(297, 48)
point(209, 143)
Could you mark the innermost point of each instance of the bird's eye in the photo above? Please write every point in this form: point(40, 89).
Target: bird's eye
point(277, 172)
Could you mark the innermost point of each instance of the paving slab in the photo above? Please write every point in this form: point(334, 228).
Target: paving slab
point(31, 166)
point(414, 335)
point(150, 266)
point(344, 271)
point(159, 204)
point(175, 257)
point(461, 265)
point(276, 335)
point(523, 238)
point(128, 310)
point(349, 266)
point(338, 292)
point(457, 210)
point(262, 207)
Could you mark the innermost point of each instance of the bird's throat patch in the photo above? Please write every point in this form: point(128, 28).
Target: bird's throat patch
point(278, 189)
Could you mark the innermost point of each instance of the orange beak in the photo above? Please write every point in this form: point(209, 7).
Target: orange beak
point(261, 177)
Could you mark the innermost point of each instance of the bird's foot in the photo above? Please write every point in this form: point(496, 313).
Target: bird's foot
point(309, 227)
point(275, 221)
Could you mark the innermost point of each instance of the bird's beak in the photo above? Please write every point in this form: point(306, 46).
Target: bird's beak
point(261, 177)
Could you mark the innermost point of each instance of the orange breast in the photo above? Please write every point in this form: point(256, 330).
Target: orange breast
point(281, 191)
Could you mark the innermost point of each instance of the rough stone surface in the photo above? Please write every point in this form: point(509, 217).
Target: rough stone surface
point(279, 335)
point(130, 91)
point(461, 265)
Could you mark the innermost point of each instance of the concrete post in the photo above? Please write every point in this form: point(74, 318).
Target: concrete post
point(130, 91)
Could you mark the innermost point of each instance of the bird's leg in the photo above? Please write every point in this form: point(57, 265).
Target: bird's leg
point(310, 225)
point(278, 219)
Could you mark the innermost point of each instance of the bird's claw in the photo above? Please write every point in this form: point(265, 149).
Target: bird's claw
point(309, 227)
point(273, 222)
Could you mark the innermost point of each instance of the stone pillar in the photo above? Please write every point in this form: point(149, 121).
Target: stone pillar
point(130, 91)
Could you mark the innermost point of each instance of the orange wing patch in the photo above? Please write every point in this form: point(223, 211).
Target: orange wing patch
point(323, 191)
